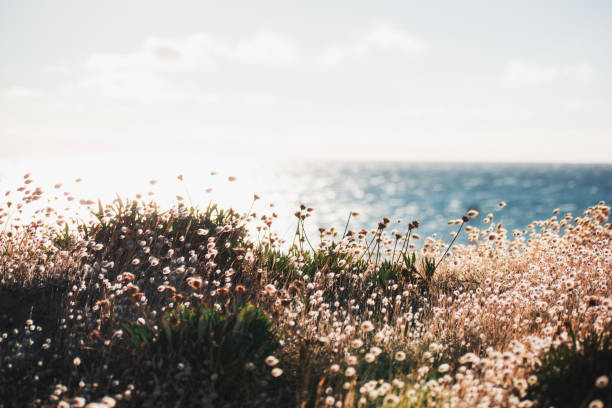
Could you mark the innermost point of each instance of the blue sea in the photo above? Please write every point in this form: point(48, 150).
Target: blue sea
point(436, 193)
point(431, 193)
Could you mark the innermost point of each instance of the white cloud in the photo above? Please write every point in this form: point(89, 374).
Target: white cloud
point(265, 48)
point(195, 52)
point(22, 92)
point(380, 36)
point(522, 72)
point(143, 87)
point(142, 75)
point(580, 72)
point(261, 98)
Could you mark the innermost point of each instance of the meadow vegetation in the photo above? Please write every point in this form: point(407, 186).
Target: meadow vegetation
point(183, 306)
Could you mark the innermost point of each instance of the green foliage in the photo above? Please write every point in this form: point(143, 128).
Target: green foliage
point(428, 268)
point(385, 367)
point(222, 348)
point(568, 372)
point(63, 238)
point(384, 276)
point(277, 263)
point(422, 275)
point(224, 339)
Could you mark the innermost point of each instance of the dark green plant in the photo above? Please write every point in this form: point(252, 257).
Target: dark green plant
point(225, 340)
point(384, 276)
point(222, 348)
point(63, 238)
point(568, 372)
point(422, 275)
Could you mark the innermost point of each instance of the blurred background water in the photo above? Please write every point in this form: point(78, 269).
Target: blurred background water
point(431, 193)
point(435, 193)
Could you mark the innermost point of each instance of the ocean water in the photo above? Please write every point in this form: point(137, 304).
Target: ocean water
point(435, 193)
point(431, 193)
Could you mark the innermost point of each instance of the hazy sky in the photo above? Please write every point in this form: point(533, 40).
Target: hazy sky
point(456, 80)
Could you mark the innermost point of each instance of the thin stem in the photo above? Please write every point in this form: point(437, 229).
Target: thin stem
point(394, 246)
point(449, 245)
point(306, 236)
point(368, 248)
point(405, 244)
point(347, 224)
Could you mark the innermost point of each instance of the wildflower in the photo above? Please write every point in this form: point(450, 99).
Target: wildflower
point(78, 402)
point(400, 356)
point(443, 368)
point(391, 399)
point(501, 204)
point(76, 361)
point(367, 326)
point(596, 404)
point(271, 361)
point(357, 343)
point(276, 372)
point(472, 213)
point(602, 381)
point(195, 282)
point(369, 357)
point(108, 401)
point(350, 371)
point(334, 368)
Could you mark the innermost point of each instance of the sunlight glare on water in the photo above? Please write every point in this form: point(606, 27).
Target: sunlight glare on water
point(431, 193)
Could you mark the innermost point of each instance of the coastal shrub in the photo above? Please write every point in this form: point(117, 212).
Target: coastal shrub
point(129, 229)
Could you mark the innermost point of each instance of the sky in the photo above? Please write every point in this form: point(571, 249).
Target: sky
point(521, 81)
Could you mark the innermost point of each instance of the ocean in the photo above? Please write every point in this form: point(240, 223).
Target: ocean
point(431, 193)
point(434, 193)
